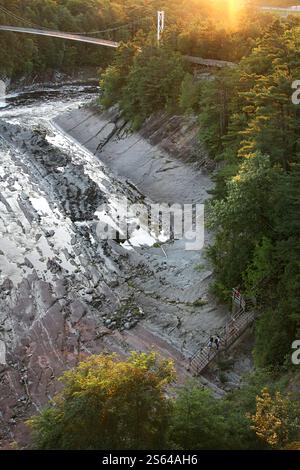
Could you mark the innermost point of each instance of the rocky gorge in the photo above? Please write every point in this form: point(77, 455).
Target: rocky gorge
point(64, 292)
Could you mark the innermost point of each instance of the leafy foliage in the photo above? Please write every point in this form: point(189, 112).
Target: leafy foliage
point(275, 420)
point(255, 211)
point(106, 404)
point(201, 421)
point(159, 79)
point(149, 85)
point(246, 205)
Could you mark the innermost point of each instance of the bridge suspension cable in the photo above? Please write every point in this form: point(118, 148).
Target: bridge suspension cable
point(111, 29)
point(82, 33)
point(16, 17)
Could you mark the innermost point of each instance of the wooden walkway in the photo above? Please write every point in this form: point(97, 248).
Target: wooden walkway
point(228, 335)
point(209, 62)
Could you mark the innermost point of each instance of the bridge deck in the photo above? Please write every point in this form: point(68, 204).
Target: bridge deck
point(209, 62)
point(230, 333)
point(62, 35)
point(104, 42)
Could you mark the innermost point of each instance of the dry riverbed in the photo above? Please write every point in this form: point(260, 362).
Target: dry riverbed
point(66, 294)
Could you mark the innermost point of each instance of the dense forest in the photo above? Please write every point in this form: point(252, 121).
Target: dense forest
point(196, 26)
point(250, 127)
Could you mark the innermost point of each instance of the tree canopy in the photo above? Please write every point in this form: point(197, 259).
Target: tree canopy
point(108, 404)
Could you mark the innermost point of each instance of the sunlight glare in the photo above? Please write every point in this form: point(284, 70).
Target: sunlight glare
point(229, 10)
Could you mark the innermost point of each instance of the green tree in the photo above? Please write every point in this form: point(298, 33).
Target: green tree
point(215, 110)
point(153, 83)
point(280, 288)
point(275, 420)
point(248, 204)
point(203, 422)
point(198, 422)
point(115, 76)
point(107, 404)
point(189, 99)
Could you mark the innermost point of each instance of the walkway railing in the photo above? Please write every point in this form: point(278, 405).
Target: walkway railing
point(209, 62)
point(228, 335)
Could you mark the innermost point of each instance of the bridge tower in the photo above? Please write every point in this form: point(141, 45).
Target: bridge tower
point(160, 24)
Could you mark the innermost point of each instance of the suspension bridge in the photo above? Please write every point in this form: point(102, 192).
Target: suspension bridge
point(62, 35)
point(84, 37)
point(123, 31)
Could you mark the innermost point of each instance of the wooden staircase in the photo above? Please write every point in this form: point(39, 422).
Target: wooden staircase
point(228, 335)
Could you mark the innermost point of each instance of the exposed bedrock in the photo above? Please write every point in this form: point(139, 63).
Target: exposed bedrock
point(165, 159)
point(64, 293)
point(76, 192)
point(160, 161)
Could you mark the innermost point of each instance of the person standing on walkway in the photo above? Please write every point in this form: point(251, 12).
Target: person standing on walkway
point(210, 345)
point(217, 342)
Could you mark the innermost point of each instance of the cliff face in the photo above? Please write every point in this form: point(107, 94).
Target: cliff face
point(176, 135)
point(154, 159)
point(179, 137)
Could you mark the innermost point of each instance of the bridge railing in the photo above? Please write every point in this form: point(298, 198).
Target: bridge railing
point(209, 62)
point(228, 335)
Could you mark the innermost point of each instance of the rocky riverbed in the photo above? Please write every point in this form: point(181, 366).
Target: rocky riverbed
point(64, 292)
